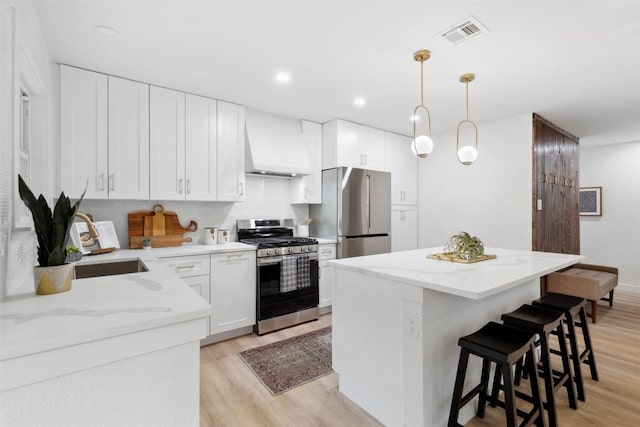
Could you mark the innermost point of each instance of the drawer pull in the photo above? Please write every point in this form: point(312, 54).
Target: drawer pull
point(185, 266)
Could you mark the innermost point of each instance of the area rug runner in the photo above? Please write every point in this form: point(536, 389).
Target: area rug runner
point(286, 364)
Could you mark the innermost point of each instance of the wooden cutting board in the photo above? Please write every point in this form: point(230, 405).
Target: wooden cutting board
point(155, 224)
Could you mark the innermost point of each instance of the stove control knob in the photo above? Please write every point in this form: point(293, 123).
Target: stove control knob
point(269, 251)
point(305, 249)
point(313, 248)
point(280, 251)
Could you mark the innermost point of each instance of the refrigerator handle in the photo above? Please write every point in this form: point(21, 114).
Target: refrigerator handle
point(368, 203)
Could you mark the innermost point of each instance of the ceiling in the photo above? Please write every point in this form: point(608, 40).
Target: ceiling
point(576, 63)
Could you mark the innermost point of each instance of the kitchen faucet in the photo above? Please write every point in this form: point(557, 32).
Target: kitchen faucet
point(93, 233)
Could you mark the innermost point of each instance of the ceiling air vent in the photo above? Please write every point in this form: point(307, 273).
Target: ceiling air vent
point(464, 30)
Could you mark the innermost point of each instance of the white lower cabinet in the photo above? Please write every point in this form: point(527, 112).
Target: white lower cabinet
point(194, 270)
point(233, 291)
point(326, 276)
point(404, 228)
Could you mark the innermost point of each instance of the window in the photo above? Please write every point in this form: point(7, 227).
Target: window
point(23, 157)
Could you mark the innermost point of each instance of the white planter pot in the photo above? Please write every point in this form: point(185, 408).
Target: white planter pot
point(53, 280)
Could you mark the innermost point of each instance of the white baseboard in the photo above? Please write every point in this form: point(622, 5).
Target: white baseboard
point(628, 287)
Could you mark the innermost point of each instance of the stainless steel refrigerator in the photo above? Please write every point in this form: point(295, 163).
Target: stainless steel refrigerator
point(355, 211)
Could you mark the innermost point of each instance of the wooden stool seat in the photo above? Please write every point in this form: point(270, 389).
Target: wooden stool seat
point(504, 346)
point(575, 315)
point(542, 322)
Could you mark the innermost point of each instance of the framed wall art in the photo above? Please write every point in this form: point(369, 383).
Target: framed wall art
point(591, 201)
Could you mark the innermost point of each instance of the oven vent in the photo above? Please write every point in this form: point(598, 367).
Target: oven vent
point(464, 30)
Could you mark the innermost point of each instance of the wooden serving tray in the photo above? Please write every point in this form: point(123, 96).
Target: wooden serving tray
point(453, 258)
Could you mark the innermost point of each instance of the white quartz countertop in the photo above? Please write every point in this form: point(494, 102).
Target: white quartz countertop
point(476, 281)
point(103, 307)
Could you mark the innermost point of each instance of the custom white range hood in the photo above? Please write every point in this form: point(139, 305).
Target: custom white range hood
point(275, 145)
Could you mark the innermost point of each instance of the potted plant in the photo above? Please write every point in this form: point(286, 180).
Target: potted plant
point(146, 243)
point(52, 229)
point(73, 254)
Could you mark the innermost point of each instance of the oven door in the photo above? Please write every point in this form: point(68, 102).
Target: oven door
point(271, 301)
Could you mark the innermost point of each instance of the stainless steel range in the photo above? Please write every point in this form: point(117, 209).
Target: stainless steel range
point(287, 273)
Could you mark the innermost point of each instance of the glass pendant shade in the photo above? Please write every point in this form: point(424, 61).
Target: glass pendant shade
point(422, 146)
point(467, 155)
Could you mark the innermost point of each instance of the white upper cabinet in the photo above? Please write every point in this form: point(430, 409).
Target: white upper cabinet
point(351, 144)
point(403, 165)
point(371, 143)
point(167, 169)
point(231, 141)
point(201, 148)
point(128, 139)
point(83, 133)
point(308, 188)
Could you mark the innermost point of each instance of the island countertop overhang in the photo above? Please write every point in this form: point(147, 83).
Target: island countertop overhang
point(478, 280)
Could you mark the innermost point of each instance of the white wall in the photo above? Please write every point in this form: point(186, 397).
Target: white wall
point(265, 198)
point(614, 238)
point(490, 199)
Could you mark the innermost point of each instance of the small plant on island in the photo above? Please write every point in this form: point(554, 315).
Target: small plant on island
point(464, 246)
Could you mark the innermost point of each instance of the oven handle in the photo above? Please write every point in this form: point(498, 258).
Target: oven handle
point(269, 261)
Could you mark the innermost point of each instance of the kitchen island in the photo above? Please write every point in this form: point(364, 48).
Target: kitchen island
point(397, 318)
point(114, 350)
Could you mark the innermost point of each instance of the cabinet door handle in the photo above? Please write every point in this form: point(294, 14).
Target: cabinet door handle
point(188, 185)
point(100, 182)
point(180, 186)
point(112, 182)
point(365, 159)
point(185, 266)
point(242, 188)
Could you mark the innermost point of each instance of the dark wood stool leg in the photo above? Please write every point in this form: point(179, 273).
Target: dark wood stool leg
point(535, 386)
point(567, 378)
point(484, 380)
point(611, 298)
point(590, 359)
point(457, 390)
point(575, 356)
point(548, 381)
point(509, 396)
point(594, 311)
point(495, 389)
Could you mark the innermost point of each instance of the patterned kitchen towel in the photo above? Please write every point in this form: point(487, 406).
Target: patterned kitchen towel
point(304, 271)
point(288, 274)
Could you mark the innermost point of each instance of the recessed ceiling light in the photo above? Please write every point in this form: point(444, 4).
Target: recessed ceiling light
point(107, 31)
point(283, 77)
point(359, 102)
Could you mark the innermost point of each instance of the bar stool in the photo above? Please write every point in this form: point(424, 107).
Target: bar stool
point(504, 346)
point(542, 322)
point(573, 308)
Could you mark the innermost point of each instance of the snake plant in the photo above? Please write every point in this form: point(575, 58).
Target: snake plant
point(52, 229)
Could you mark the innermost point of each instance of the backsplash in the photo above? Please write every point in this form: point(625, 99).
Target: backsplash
point(266, 197)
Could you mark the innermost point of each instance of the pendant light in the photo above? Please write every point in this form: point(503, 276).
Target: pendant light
point(422, 143)
point(468, 153)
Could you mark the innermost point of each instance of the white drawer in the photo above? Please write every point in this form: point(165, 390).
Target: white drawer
point(188, 266)
point(327, 251)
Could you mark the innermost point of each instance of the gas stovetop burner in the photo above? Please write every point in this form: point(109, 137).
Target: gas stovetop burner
point(272, 238)
point(278, 242)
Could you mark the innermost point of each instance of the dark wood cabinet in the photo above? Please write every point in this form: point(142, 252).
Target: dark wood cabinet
point(555, 197)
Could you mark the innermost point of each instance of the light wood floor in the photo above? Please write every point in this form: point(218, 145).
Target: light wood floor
point(231, 395)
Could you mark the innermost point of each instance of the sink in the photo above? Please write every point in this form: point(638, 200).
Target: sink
point(84, 271)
